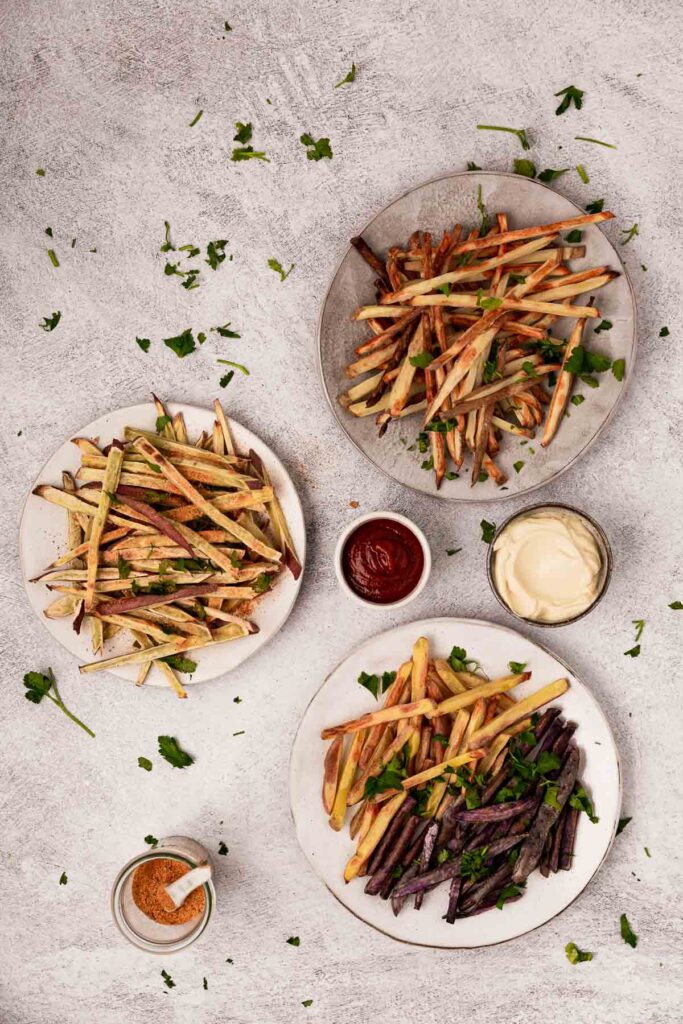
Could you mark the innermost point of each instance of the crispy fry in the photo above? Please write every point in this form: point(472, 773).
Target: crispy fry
point(331, 777)
point(523, 708)
point(109, 485)
point(375, 833)
point(438, 769)
point(346, 781)
point(563, 387)
point(393, 714)
point(463, 700)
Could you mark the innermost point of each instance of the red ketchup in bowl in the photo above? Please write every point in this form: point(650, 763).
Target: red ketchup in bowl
point(382, 561)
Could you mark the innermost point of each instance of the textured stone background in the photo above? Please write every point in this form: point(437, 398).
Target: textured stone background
point(100, 95)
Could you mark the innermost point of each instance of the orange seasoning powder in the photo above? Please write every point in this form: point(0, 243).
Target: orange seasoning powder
point(149, 882)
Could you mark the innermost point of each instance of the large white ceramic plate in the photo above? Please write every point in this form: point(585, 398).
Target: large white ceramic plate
point(434, 206)
point(341, 698)
point(42, 538)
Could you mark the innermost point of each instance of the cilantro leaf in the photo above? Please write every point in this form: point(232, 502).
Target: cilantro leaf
point(473, 864)
point(50, 322)
point(576, 955)
point(570, 95)
point(604, 325)
point(517, 667)
point(507, 892)
point(168, 980)
point(577, 399)
point(316, 150)
point(488, 531)
point(623, 822)
point(262, 582)
point(640, 626)
point(487, 302)
point(144, 762)
point(619, 369)
point(627, 933)
point(183, 344)
point(549, 174)
point(527, 168)
point(63, 879)
point(124, 568)
point(277, 267)
point(630, 233)
point(633, 652)
point(151, 841)
point(596, 206)
point(144, 343)
point(574, 236)
point(226, 378)
point(390, 777)
point(225, 331)
point(350, 77)
point(215, 252)
point(664, 333)
point(373, 684)
point(580, 801)
point(519, 132)
point(518, 466)
point(421, 360)
point(167, 245)
point(38, 686)
point(171, 751)
point(243, 132)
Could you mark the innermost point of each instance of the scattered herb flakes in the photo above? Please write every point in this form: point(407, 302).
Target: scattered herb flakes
point(167, 245)
point(168, 980)
point(472, 166)
point(238, 366)
point(623, 822)
point(640, 626)
point(40, 171)
point(577, 399)
point(518, 466)
point(294, 940)
point(627, 933)
point(519, 132)
point(487, 302)
point(240, 733)
point(488, 531)
point(421, 360)
point(237, 700)
point(633, 652)
point(573, 237)
point(647, 851)
point(181, 664)
point(604, 325)
point(222, 849)
point(48, 231)
point(350, 77)
point(226, 378)
point(596, 206)
point(517, 667)
point(576, 955)
point(277, 267)
point(53, 257)
point(215, 252)
point(183, 344)
point(508, 892)
point(376, 685)
point(151, 841)
point(483, 213)
point(38, 685)
point(248, 153)
point(598, 142)
point(316, 150)
point(664, 332)
point(527, 168)
point(161, 423)
point(243, 132)
point(460, 662)
point(569, 95)
point(205, 984)
point(582, 173)
point(50, 322)
point(170, 750)
point(227, 28)
point(63, 879)
point(630, 233)
point(549, 174)
point(144, 343)
point(225, 332)
point(144, 762)
point(619, 369)
point(307, 1002)
point(452, 551)
point(580, 801)
point(195, 118)
point(677, 606)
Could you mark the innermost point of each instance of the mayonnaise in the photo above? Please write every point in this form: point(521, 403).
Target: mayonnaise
point(547, 565)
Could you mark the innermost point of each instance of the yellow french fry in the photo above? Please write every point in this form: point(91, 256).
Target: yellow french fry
point(345, 782)
point(463, 700)
point(525, 707)
point(373, 836)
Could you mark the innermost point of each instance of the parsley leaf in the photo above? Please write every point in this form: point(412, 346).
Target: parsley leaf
point(293, 940)
point(225, 331)
point(472, 166)
point(598, 142)
point(144, 762)
point(518, 466)
point(63, 879)
point(183, 344)
point(527, 168)
point(243, 132)
point(421, 360)
point(483, 227)
point(604, 325)
point(487, 302)
point(168, 980)
point(215, 252)
point(473, 864)
point(248, 153)
point(144, 343)
point(372, 682)
point(517, 667)
point(350, 77)
point(507, 892)
point(580, 801)
point(277, 267)
point(627, 933)
point(50, 322)
point(640, 626)
point(180, 663)
point(633, 652)
point(39, 685)
point(619, 369)
point(488, 531)
point(570, 94)
point(222, 849)
point(582, 173)
point(390, 777)
point(151, 841)
point(226, 378)
point(171, 751)
point(623, 822)
point(167, 245)
point(307, 1002)
point(576, 955)
point(195, 118)
point(664, 333)
point(452, 551)
point(262, 582)
point(577, 399)
point(596, 206)
point(460, 662)
point(316, 150)
point(630, 233)
point(549, 174)
point(161, 423)
point(677, 606)
point(124, 568)
point(519, 132)
point(53, 257)
point(574, 236)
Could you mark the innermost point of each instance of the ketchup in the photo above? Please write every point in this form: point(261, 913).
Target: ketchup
point(382, 561)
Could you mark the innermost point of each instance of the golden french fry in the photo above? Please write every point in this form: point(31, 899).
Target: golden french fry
point(522, 709)
point(463, 700)
point(394, 714)
point(373, 836)
point(348, 774)
point(438, 769)
point(110, 482)
point(331, 774)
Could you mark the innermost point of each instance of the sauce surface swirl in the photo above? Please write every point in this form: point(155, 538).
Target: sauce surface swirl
point(382, 561)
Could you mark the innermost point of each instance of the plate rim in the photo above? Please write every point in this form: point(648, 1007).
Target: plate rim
point(179, 407)
point(334, 405)
point(506, 629)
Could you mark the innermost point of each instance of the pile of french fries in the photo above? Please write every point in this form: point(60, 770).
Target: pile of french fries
point(437, 720)
point(170, 540)
point(461, 332)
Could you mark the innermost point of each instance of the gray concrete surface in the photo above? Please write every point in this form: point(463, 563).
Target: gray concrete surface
point(100, 95)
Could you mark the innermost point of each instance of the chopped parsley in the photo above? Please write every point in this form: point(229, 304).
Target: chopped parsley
point(517, 667)
point(215, 253)
point(183, 344)
point(374, 684)
point(170, 750)
point(307, 1002)
point(452, 551)
point(151, 841)
point(180, 663)
point(144, 343)
point(277, 267)
point(205, 984)
point(619, 369)
point(598, 142)
point(225, 331)
point(40, 171)
point(144, 762)
point(391, 777)
point(316, 150)
point(576, 955)
point(222, 849)
point(421, 360)
point(507, 893)
point(577, 399)
point(243, 132)
point(168, 980)
point(596, 206)
point(569, 95)
point(53, 257)
point(473, 864)
point(227, 28)
point(487, 302)
point(195, 118)
point(472, 166)
point(161, 423)
point(519, 132)
point(627, 933)
point(226, 378)
point(574, 236)
point(518, 466)
point(262, 582)
point(240, 153)
point(63, 879)
point(647, 851)
point(604, 325)
point(460, 662)
point(677, 606)
point(293, 940)
point(580, 801)
point(50, 322)
point(40, 685)
point(350, 77)
point(630, 233)
point(623, 822)
point(664, 332)
point(527, 168)
point(549, 174)
point(488, 531)
point(582, 173)
point(484, 225)
point(633, 652)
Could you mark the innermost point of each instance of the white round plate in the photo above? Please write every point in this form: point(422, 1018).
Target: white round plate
point(341, 698)
point(435, 206)
point(42, 538)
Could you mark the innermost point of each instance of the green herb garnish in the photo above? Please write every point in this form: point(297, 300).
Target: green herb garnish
point(50, 322)
point(195, 118)
point(582, 173)
point(488, 531)
point(373, 683)
point(517, 667)
point(619, 369)
point(248, 153)
point(38, 685)
point(472, 166)
point(277, 267)
point(293, 940)
point(316, 150)
point(170, 750)
point(577, 399)
point(580, 801)
point(576, 955)
point(183, 344)
point(215, 252)
point(473, 864)
point(53, 257)
point(664, 332)
point(527, 168)
point(677, 606)
point(144, 343)
point(507, 893)
point(629, 233)
point(223, 849)
point(168, 980)
point(627, 933)
point(421, 360)
point(574, 236)
point(570, 95)
point(519, 132)
point(350, 77)
point(623, 822)
point(598, 142)
point(549, 174)
point(144, 762)
point(596, 206)
point(151, 841)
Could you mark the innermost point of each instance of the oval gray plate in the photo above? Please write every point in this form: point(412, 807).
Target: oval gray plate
point(434, 206)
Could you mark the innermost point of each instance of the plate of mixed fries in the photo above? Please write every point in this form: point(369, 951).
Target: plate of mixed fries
point(454, 784)
point(164, 544)
point(478, 335)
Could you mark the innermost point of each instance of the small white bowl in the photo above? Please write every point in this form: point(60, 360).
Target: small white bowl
point(426, 554)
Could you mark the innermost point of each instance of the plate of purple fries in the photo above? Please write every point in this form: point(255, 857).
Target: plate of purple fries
point(454, 784)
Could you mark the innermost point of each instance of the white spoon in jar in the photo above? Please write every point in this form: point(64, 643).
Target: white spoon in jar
point(179, 890)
